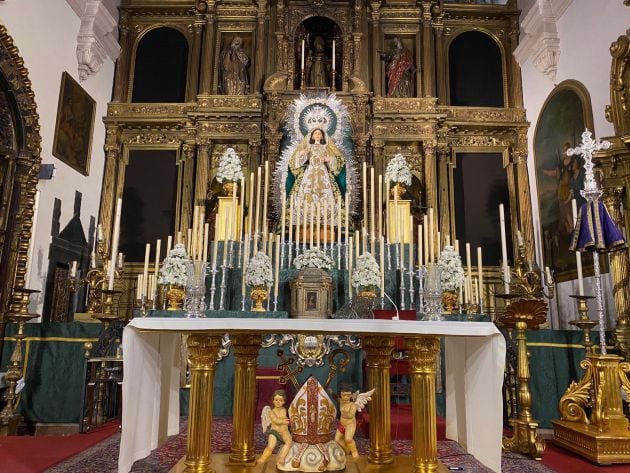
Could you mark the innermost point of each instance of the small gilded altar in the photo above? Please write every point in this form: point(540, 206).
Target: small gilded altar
point(311, 294)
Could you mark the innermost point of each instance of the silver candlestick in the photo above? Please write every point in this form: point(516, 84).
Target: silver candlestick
point(213, 287)
point(402, 287)
point(411, 274)
point(223, 286)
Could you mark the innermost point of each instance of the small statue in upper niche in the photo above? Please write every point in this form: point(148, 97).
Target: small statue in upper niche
point(399, 69)
point(275, 424)
point(233, 73)
point(317, 70)
point(349, 404)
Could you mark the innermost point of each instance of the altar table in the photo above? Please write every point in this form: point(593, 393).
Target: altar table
point(475, 357)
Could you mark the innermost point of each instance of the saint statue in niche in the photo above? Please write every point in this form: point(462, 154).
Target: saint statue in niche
point(234, 79)
point(399, 69)
point(317, 72)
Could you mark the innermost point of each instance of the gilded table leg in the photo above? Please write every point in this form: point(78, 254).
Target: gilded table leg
point(246, 349)
point(379, 352)
point(423, 352)
point(203, 350)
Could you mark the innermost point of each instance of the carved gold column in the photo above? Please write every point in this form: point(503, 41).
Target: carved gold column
point(259, 65)
point(193, 78)
point(376, 39)
point(207, 51)
point(378, 158)
point(523, 198)
point(516, 86)
point(188, 153)
point(428, 56)
point(620, 273)
point(121, 81)
point(203, 350)
point(204, 149)
point(442, 85)
point(430, 181)
point(444, 210)
point(108, 194)
point(246, 349)
point(378, 352)
point(423, 352)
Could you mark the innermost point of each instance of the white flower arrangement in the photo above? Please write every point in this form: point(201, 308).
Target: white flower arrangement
point(452, 269)
point(230, 169)
point(175, 267)
point(259, 271)
point(398, 170)
point(367, 272)
point(313, 258)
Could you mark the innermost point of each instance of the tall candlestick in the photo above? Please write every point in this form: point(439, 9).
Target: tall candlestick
point(364, 180)
point(156, 270)
point(578, 255)
point(264, 216)
point(257, 218)
point(468, 261)
point(277, 278)
point(379, 211)
point(506, 272)
point(372, 208)
point(145, 271)
point(480, 271)
point(114, 243)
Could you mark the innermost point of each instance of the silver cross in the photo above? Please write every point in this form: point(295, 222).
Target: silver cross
point(586, 149)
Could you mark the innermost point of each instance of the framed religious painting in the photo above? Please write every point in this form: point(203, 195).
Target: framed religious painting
point(560, 178)
point(72, 143)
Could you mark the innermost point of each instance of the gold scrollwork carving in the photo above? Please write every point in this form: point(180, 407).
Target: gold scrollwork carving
point(411, 105)
point(577, 396)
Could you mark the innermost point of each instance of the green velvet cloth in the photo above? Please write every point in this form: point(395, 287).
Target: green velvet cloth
point(54, 363)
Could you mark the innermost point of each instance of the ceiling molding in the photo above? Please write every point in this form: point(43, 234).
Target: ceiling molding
point(97, 40)
point(539, 42)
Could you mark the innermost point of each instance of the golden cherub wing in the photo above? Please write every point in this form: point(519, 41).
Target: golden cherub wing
point(265, 418)
point(361, 399)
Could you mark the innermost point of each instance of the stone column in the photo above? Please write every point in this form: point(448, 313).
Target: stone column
point(423, 351)
point(620, 273)
point(203, 350)
point(246, 349)
point(378, 354)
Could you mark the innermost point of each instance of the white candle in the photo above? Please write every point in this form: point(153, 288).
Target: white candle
point(468, 261)
point(234, 221)
point(228, 231)
point(419, 246)
point(457, 246)
point(396, 219)
point(241, 215)
point(466, 295)
point(188, 242)
point(325, 220)
point(439, 246)
point(382, 259)
point(480, 271)
point(431, 236)
point(519, 238)
point(291, 211)
point(73, 270)
point(347, 222)
point(379, 210)
point(319, 216)
point(339, 224)
point(250, 208)
point(312, 212)
point(305, 208)
point(145, 272)
point(349, 257)
point(121, 259)
point(283, 215)
point(139, 287)
point(99, 232)
point(114, 243)
point(388, 224)
point(365, 197)
point(372, 207)
point(193, 234)
point(158, 248)
point(92, 260)
point(411, 243)
point(277, 278)
point(264, 216)
point(257, 218)
point(206, 232)
point(333, 56)
point(169, 243)
point(578, 255)
point(427, 256)
point(548, 275)
point(215, 247)
point(302, 55)
point(506, 272)
point(245, 263)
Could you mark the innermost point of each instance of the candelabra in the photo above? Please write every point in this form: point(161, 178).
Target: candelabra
point(95, 279)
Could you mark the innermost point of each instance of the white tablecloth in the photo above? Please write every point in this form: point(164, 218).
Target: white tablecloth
point(475, 357)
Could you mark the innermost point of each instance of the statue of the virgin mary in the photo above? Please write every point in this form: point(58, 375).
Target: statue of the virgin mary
point(316, 166)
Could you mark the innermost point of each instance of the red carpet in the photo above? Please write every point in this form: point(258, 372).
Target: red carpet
point(33, 454)
point(400, 417)
point(564, 461)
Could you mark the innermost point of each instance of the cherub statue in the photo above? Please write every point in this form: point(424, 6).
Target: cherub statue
point(349, 404)
point(275, 424)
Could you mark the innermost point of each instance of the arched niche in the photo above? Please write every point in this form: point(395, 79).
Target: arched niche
point(309, 30)
point(20, 158)
point(475, 66)
point(160, 67)
point(559, 178)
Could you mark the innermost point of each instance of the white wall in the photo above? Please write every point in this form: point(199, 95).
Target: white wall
point(45, 32)
point(586, 30)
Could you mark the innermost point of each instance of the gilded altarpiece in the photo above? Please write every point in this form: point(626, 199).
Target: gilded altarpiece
point(423, 126)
